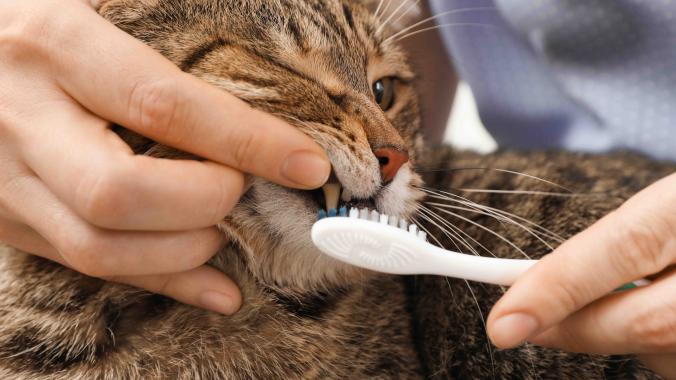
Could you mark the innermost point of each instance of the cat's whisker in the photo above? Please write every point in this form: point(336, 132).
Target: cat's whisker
point(483, 321)
point(382, 11)
point(502, 219)
point(459, 231)
point(427, 231)
point(463, 201)
point(442, 195)
point(528, 230)
point(509, 218)
point(456, 228)
point(380, 5)
point(432, 18)
point(389, 18)
point(449, 25)
point(456, 215)
point(444, 231)
point(406, 12)
point(462, 241)
point(450, 288)
point(522, 192)
point(521, 174)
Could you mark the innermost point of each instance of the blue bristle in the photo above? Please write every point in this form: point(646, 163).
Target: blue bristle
point(343, 211)
point(321, 214)
point(333, 212)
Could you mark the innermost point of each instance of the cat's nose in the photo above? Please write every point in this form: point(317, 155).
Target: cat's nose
point(391, 159)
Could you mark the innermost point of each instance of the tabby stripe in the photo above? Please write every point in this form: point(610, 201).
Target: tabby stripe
point(348, 15)
point(201, 52)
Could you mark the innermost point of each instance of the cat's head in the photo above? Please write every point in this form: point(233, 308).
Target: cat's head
point(326, 67)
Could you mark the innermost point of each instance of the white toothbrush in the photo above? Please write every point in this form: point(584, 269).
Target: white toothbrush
point(381, 243)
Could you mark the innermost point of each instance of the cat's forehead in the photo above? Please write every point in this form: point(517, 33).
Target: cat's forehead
point(331, 40)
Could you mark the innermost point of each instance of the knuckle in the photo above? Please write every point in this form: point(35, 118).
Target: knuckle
point(568, 297)
point(245, 151)
point(639, 248)
point(164, 285)
point(102, 198)
point(82, 249)
point(28, 28)
point(655, 330)
point(228, 195)
point(154, 106)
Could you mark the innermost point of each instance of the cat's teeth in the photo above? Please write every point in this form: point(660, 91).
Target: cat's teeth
point(346, 196)
point(331, 195)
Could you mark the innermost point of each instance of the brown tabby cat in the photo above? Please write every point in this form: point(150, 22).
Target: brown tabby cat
point(315, 63)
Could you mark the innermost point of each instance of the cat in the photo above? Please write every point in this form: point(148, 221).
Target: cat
point(328, 68)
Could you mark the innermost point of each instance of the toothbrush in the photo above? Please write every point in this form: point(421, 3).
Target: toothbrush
point(382, 243)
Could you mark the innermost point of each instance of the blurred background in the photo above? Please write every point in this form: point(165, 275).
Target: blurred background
point(464, 129)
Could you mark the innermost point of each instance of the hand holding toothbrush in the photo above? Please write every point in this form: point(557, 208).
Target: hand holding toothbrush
point(561, 302)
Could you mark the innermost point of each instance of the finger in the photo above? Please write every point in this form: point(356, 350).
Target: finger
point(27, 240)
point(638, 321)
point(100, 253)
point(204, 287)
point(95, 173)
point(620, 248)
point(663, 364)
point(150, 95)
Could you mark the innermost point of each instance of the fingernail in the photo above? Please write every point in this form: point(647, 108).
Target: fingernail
point(307, 169)
point(512, 330)
point(218, 302)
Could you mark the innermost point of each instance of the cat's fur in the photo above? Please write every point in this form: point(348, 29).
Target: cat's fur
point(312, 63)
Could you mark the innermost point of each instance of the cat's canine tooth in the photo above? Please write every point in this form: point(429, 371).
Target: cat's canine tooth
point(331, 195)
point(346, 195)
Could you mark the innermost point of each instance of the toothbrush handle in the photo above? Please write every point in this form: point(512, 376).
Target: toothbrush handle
point(490, 270)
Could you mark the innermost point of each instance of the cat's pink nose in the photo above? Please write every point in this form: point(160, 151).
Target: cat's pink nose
point(391, 159)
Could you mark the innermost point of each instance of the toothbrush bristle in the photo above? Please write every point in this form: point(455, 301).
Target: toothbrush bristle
point(374, 216)
point(321, 214)
point(413, 229)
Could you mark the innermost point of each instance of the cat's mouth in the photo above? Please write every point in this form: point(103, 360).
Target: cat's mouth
point(333, 198)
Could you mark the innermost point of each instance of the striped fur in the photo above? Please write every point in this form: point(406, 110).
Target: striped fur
point(312, 63)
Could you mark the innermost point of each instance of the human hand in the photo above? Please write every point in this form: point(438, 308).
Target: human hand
point(73, 192)
point(563, 301)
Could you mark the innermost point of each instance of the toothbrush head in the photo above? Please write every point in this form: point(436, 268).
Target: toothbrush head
point(368, 239)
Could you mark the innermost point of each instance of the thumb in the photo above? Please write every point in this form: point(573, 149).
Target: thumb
point(626, 245)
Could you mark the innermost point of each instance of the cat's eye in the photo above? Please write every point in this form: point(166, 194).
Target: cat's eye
point(383, 92)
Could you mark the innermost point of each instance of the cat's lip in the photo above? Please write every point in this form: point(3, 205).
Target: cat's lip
point(333, 196)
